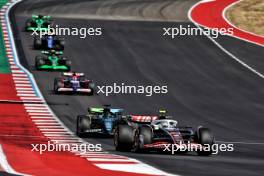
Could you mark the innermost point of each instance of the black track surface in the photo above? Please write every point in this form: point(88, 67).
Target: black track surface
point(206, 87)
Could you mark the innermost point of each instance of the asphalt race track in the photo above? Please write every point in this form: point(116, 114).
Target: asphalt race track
point(206, 86)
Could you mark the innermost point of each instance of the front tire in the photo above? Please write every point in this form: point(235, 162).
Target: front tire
point(57, 85)
point(124, 138)
point(39, 61)
point(206, 138)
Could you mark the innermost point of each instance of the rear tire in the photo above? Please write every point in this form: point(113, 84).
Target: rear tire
point(92, 87)
point(205, 137)
point(37, 43)
point(28, 24)
point(124, 138)
point(143, 136)
point(39, 61)
point(83, 124)
point(92, 92)
point(68, 64)
point(60, 43)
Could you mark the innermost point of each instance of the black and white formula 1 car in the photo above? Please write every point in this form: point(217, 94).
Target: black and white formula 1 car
point(156, 133)
point(72, 82)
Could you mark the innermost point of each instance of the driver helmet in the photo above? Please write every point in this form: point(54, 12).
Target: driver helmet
point(53, 53)
point(163, 114)
point(167, 124)
point(74, 76)
point(106, 112)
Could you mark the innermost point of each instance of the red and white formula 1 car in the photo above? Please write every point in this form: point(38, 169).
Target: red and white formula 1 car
point(74, 83)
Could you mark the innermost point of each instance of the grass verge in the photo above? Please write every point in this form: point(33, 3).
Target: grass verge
point(248, 15)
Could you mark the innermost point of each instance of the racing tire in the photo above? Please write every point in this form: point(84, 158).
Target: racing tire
point(28, 24)
point(37, 43)
point(144, 135)
point(124, 137)
point(60, 43)
point(205, 137)
point(83, 124)
point(92, 87)
point(92, 92)
point(39, 61)
point(57, 85)
point(68, 64)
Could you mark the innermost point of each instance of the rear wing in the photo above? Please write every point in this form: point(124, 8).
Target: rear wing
point(47, 17)
point(70, 74)
point(94, 110)
point(143, 119)
point(116, 111)
point(49, 52)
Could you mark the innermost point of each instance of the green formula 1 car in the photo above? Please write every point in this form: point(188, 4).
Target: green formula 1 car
point(52, 60)
point(38, 23)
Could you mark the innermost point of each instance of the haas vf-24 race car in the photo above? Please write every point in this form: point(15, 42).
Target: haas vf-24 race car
point(153, 133)
point(52, 60)
point(72, 82)
point(98, 121)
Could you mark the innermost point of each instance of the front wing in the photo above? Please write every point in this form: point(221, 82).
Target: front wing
point(81, 90)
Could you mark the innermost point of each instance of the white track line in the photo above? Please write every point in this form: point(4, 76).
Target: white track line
point(37, 110)
point(16, 71)
point(23, 88)
point(54, 130)
point(19, 78)
point(23, 85)
point(31, 98)
point(26, 95)
point(108, 159)
point(20, 75)
point(40, 114)
point(35, 105)
point(21, 81)
point(44, 120)
point(56, 134)
point(25, 91)
point(47, 127)
point(36, 117)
